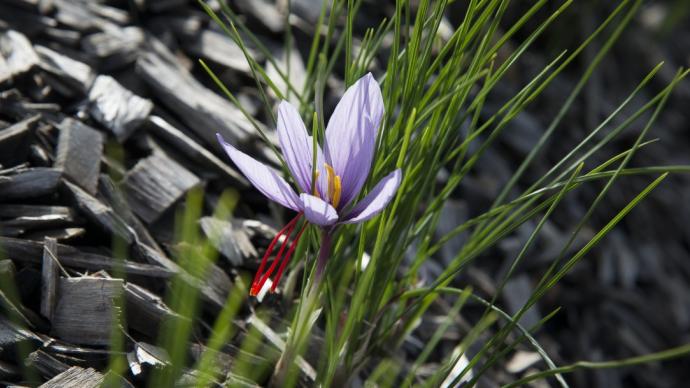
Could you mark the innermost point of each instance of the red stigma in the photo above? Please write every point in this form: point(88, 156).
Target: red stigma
point(262, 276)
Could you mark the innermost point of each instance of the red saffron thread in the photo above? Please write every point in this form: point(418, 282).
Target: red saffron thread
point(287, 258)
point(259, 280)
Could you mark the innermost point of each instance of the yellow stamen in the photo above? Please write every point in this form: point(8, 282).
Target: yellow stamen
point(335, 199)
point(334, 186)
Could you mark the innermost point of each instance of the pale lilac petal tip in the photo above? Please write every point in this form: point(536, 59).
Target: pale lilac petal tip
point(264, 179)
point(351, 135)
point(295, 144)
point(377, 199)
point(317, 211)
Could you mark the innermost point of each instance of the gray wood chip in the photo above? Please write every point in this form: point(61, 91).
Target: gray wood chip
point(85, 310)
point(115, 47)
point(79, 153)
point(154, 184)
point(17, 52)
point(50, 273)
point(229, 239)
point(100, 214)
point(117, 108)
point(14, 141)
point(47, 365)
point(203, 111)
point(192, 149)
point(75, 377)
point(218, 47)
point(31, 183)
point(146, 310)
point(76, 74)
point(27, 251)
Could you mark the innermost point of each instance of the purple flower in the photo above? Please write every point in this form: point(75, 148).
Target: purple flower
point(342, 167)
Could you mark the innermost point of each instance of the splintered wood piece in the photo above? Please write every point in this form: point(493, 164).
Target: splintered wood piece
point(219, 48)
point(18, 52)
point(59, 234)
point(114, 47)
point(117, 108)
point(192, 149)
point(63, 213)
point(11, 333)
point(214, 285)
point(146, 354)
point(85, 310)
point(79, 153)
point(15, 140)
point(110, 192)
point(47, 365)
point(31, 252)
point(77, 75)
point(87, 15)
point(76, 377)
point(265, 12)
point(146, 311)
point(183, 94)
point(156, 183)
point(232, 242)
point(50, 273)
point(100, 214)
point(30, 183)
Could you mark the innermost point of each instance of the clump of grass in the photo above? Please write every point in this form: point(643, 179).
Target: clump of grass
point(372, 298)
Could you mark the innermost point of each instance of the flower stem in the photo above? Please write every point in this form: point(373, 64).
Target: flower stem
point(324, 254)
point(305, 318)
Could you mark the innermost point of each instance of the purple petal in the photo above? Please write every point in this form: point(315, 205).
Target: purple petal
point(376, 200)
point(351, 135)
point(318, 211)
point(265, 179)
point(296, 145)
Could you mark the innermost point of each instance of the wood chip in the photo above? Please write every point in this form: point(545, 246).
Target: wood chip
point(79, 153)
point(192, 149)
point(50, 273)
point(203, 111)
point(31, 183)
point(85, 310)
point(154, 184)
point(11, 333)
point(219, 48)
point(230, 240)
point(75, 377)
point(31, 252)
point(100, 214)
point(264, 11)
point(117, 108)
point(516, 293)
point(15, 141)
point(146, 311)
point(75, 74)
point(47, 365)
point(115, 47)
point(18, 53)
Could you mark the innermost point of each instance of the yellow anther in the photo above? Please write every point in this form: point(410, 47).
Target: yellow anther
point(335, 199)
point(334, 186)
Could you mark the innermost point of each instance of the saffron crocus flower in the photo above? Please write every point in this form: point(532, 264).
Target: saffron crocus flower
point(327, 191)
